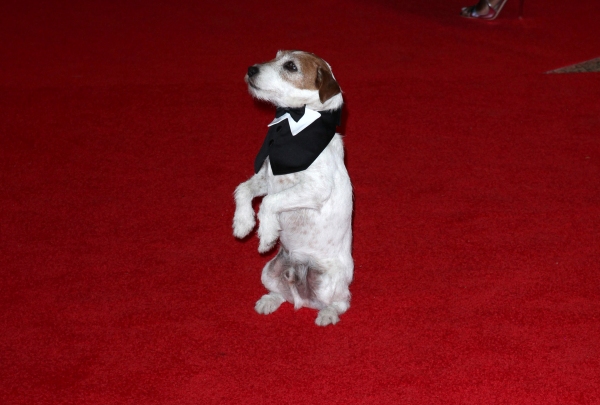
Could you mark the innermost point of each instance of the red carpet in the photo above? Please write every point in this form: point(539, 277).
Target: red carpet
point(125, 127)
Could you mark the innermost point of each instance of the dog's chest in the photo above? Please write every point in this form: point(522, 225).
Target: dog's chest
point(276, 184)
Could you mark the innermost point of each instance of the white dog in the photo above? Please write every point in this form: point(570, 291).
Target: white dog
point(308, 196)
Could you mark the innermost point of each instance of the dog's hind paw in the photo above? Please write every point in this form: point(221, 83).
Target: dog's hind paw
point(268, 303)
point(327, 316)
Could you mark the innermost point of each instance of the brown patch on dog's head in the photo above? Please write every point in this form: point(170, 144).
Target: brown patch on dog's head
point(315, 75)
point(278, 80)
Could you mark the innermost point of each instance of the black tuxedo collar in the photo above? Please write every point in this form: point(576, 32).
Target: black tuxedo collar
point(291, 153)
point(332, 117)
point(295, 113)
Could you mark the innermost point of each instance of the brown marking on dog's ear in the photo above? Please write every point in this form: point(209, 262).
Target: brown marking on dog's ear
point(315, 75)
point(326, 84)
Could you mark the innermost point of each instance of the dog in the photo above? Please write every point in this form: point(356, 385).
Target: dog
point(308, 200)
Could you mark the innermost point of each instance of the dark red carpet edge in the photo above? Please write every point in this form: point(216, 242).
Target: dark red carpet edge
point(125, 127)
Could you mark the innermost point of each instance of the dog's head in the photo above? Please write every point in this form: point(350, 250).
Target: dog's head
point(295, 79)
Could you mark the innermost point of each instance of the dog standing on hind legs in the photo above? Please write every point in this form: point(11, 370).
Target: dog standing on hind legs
point(307, 202)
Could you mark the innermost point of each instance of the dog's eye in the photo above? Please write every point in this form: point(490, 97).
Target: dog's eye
point(290, 66)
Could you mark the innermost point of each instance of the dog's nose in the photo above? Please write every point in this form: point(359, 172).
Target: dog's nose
point(252, 70)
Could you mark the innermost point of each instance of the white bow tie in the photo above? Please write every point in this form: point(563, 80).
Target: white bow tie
point(308, 118)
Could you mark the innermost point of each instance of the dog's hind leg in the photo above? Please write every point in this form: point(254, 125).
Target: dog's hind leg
point(333, 293)
point(330, 315)
point(268, 303)
point(272, 279)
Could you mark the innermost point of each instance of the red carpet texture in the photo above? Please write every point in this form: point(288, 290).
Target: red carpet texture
point(125, 126)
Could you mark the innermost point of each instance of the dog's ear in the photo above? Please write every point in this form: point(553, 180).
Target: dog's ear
point(326, 84)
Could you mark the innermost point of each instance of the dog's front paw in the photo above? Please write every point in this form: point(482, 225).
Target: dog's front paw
point(266, 243)
point(243, 222)
point(268, 229)
point(327, 316)
point(268, 303)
